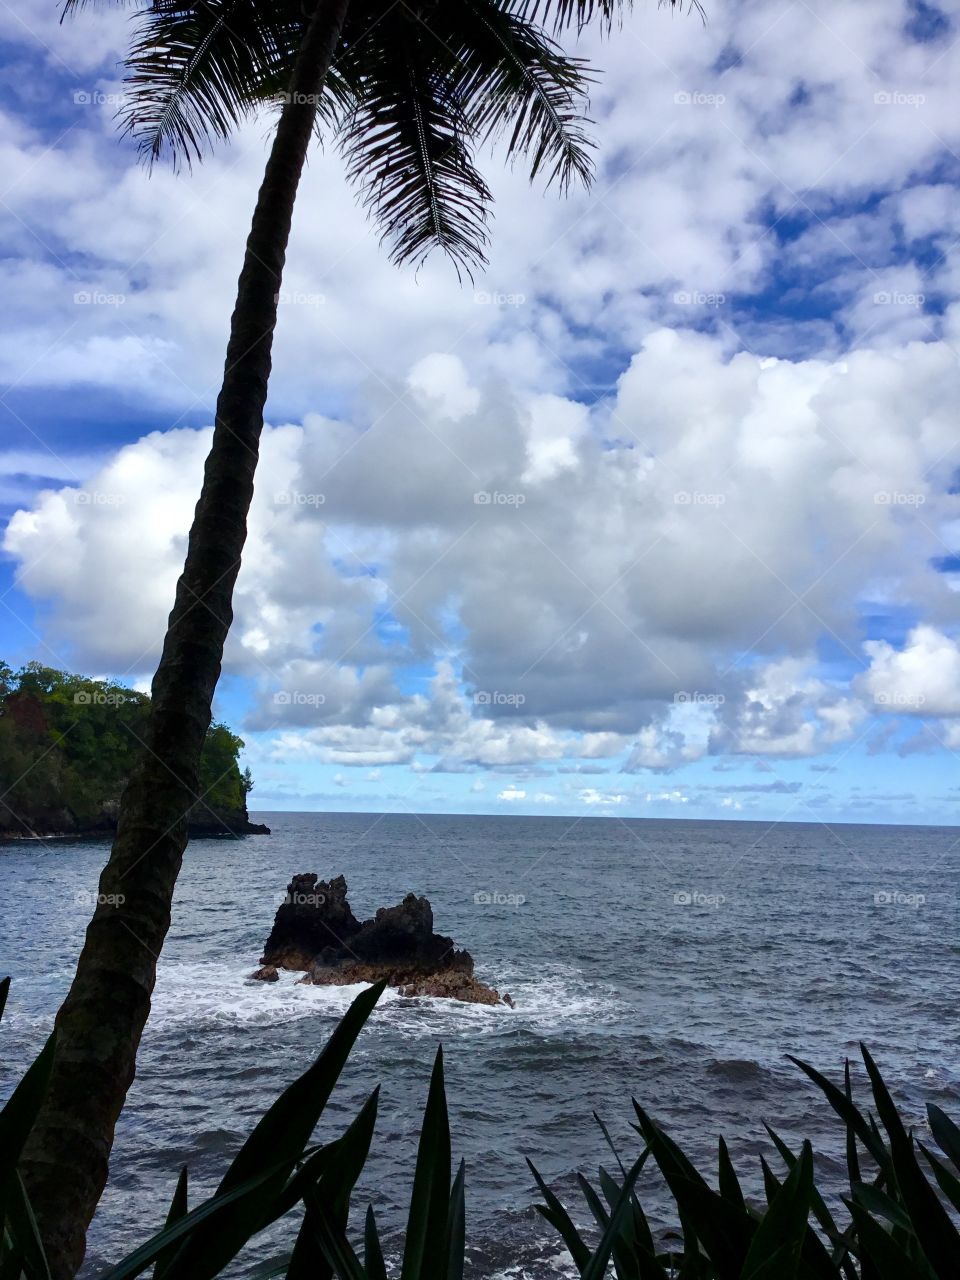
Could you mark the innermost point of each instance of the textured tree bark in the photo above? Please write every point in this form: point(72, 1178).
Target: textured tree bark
point(101, 1021)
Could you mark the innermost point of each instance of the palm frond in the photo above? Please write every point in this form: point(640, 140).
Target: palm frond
point(562, 15)
point(70, 7)
point(196, 68)
point(408, 145)
point(513, 81)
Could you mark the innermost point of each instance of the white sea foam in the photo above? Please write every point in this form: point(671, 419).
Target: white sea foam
point(220, 991)
point(560, 1265)
point(204, 992)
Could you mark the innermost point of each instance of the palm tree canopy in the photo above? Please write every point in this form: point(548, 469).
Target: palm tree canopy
point(415, 89)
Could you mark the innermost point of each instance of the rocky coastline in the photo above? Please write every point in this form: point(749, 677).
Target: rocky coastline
point(316, 933)
point(64, 824)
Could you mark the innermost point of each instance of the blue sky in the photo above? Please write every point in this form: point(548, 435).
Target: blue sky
point(659, 517)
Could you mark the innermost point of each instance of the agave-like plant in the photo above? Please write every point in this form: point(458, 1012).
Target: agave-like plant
point(275, 1171)
point(900, 1223)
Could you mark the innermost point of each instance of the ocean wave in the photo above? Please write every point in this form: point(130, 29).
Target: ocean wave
point(735, 1069)
point(557, 1266)
point(203, 992)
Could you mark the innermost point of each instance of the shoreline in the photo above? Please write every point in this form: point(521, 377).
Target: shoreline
point(227, 828)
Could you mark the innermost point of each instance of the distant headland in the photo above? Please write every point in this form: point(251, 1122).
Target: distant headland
point(67, 745)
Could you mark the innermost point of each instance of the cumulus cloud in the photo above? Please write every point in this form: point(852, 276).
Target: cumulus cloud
point(602, 799)
point(785, 711)
point(653, 591)
point(922, 678)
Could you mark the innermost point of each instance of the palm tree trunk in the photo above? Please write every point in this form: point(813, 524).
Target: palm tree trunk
point(100, 1023)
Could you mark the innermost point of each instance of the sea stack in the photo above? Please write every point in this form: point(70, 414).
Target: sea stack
point(316, 932)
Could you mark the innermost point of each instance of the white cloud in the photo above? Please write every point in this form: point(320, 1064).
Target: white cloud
point(441, 381)
point(922, 678)
point(601, 616)
point(601, 799)
point(785, 711)
point(693, 160)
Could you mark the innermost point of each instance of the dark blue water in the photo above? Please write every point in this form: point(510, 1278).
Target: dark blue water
point(675, 961)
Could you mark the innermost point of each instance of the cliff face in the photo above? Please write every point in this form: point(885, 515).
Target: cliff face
point(52, 822)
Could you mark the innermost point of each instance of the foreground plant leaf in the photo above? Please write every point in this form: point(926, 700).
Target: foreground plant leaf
point(208, 1213)
point(936, 1234)
point(557, 1216)
point(781, 1231)
point(20, 1111)
point(596, 1268)
point(278, 1140)
point(24, 1237)
point(724, 1232)
point(457, 1225)
point(334, 1189)
point(178, 1210)
point(372, 1252)
point(879, 1251)
point(946, 1133)
point(424, 1247)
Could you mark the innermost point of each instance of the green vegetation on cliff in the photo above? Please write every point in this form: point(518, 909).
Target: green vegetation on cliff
point(67, 744)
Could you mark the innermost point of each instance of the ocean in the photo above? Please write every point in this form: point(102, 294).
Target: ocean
point(675, 962)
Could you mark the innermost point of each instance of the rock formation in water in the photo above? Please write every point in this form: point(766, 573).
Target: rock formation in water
point(316, 932)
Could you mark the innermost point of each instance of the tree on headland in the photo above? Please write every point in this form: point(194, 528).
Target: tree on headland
point(410, 91)
point(67, 746)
